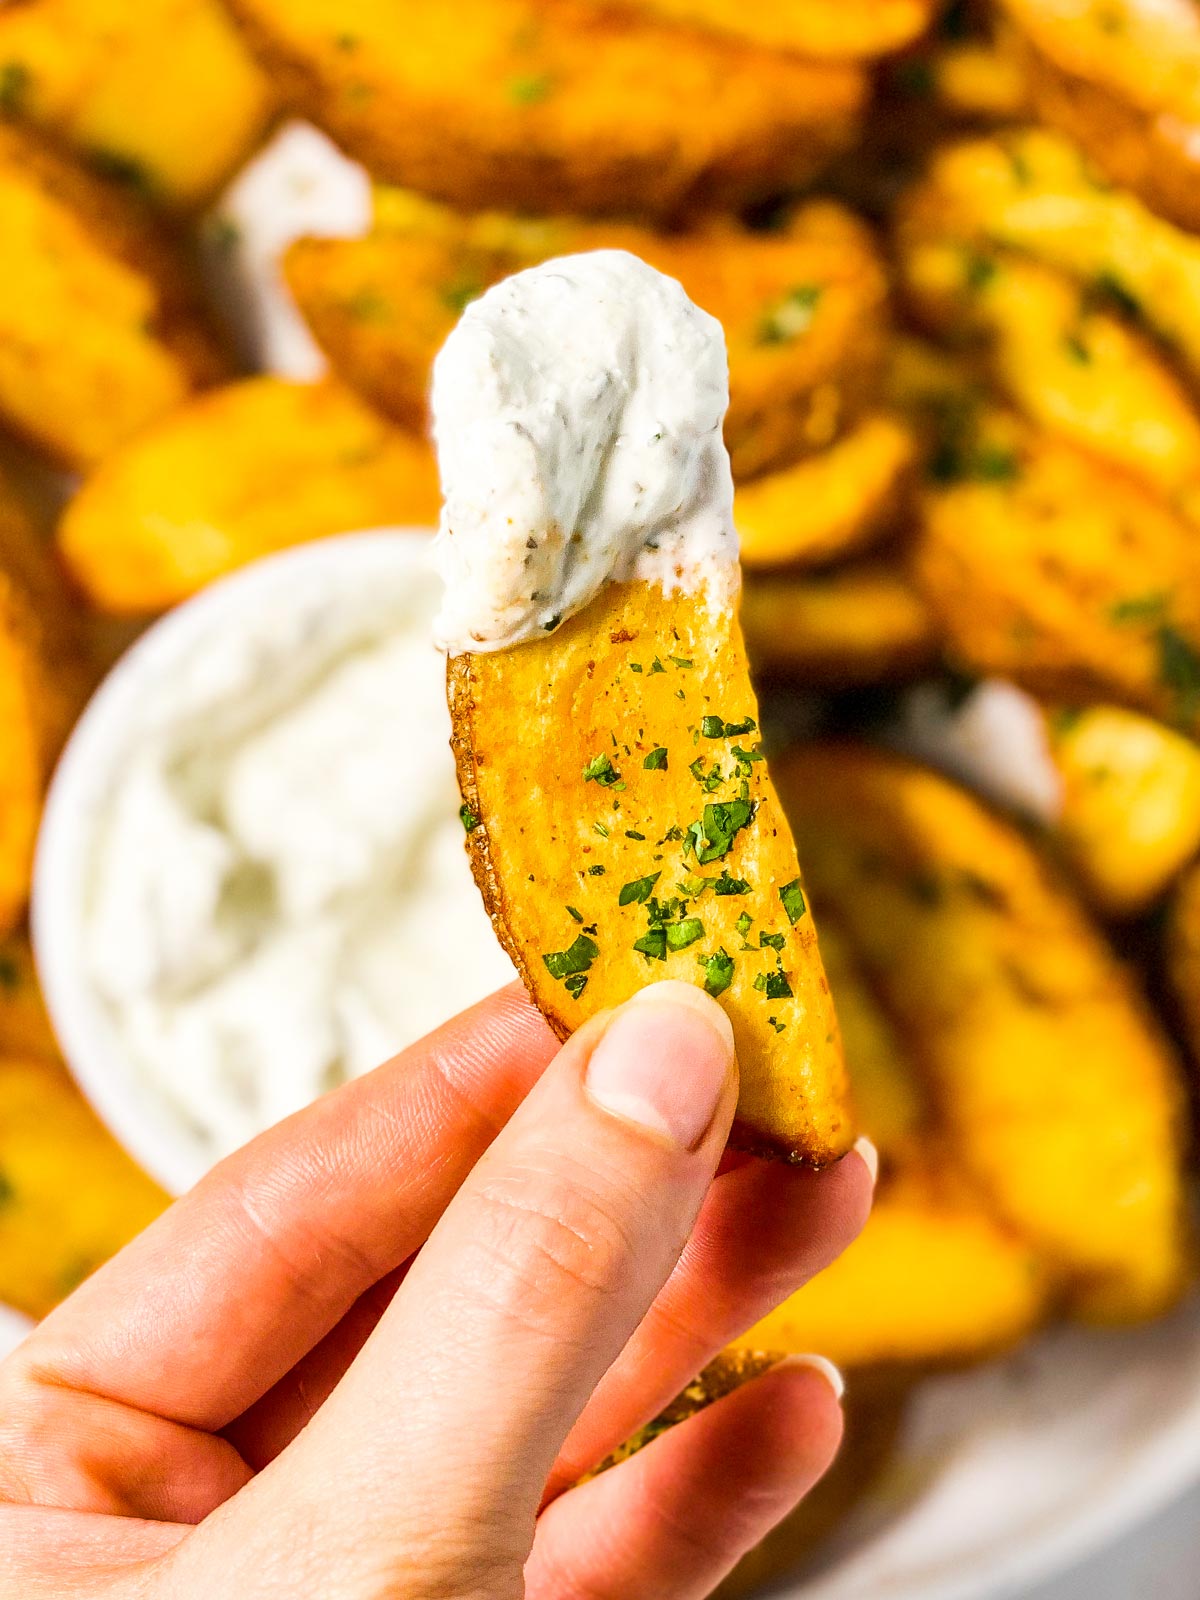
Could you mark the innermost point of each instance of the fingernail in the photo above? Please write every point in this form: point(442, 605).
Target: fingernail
point(870, 1157)
point(663, 1062)
point(825, 1367)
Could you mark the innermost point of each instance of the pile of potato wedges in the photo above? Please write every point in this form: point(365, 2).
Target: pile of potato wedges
point(955, 248)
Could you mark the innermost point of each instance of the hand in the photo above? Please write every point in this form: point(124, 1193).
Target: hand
point(369, 1354)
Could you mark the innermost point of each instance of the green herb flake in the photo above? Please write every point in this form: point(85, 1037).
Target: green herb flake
point(530, 89)
point(726, 885)
point(632, 833)
point(573, 961)
point(576, 916)
point(776, 1024)
point(1179, 668)
point(7, 1193)
point(597, 871)
point(636, 666)
point(601, 770)
point(576, 984)
point(15, 81)
point(653, 945)
point(468, 818)
point(457, 295)
point(712, 836)
point(1140, 608)
point(1078, 350)
point(682, 934)
point(978, 271)
point(770, 941)
point(717, 728)
point(774, 985)
point(743, 923)
point(10, 977)
point(792, 899)
point(718, 972)
point(656, 666)
point(656, 761)
point(790, 317)
point(367, 305)
point(639, 891)
point(681, 662)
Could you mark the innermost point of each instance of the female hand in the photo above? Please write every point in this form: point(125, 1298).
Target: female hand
point(369, 1354)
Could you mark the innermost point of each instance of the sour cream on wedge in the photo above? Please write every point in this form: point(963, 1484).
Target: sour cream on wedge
point(577, 412)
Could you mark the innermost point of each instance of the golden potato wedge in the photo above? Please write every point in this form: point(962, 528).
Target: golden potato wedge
point(622, 828)
point(25, 1029)
point(1056, 1090)
point(1033, 191)
point(804, 308)
point(100, 333)
point(570, 107)
point(1046, 566)
point(931, 1279)
point(241, 471)
point(829, 505)
point(1063, 358)
point(825, 30)
point(1122, 79)
point(861, 623)
point(163, 94)
point(69, 1195)
point(1130, 816)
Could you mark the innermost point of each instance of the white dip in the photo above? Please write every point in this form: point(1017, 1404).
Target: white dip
point(577, 412)
point(278, 896)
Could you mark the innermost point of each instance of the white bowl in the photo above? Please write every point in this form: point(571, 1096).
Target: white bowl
point(295, 589)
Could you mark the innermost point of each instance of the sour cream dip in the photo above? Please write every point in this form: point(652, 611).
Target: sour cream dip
point(253, 864)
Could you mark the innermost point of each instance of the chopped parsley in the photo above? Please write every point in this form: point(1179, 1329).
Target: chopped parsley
point(770, 941)
point(790, 317)
point(639, 891)
point(601, 770)
point(1106, 291)
point(656, 666)
point(1179, 667)
point(743, 923)
point(572, 964)
point(792, 899)
point(468, 818)
point(774, 985)
point(1140, 608)
point(597, 871)
point(576, 916)
point(531, 89)
point(15, 80)
point(776, 1024)
point(712, 836)
point(682, 934)
point(632, 833)
point(1078, 350)
point(717, 728)
point(653, 945)
point(656, 761)
point(636, 666)
point(727, 885)
point(598, 827)
point(710, 780)
point(682, 662)
point(457, 295)
point(10, 977)
point(718, 972)
point(978, 271)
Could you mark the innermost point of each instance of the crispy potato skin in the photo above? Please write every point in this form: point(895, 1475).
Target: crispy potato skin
point(825, 30)
point(1048, 567)
point(52, 1152)
point(163, 92)
point(1031, 190)
point(570, 107)
point(241, 471)
point(1183, 958)
point(1057, 1092)
point(526, 723)
point(1123, 81)
point(1064, 359)
point(1130, 816)
point(932, 1279)
point(81, 255)
point(829, 505)
point(804, 309)
point(861, 623)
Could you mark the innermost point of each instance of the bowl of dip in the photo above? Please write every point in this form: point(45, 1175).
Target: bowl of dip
point(251, 882)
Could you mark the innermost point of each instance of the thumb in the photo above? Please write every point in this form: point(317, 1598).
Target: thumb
point(446, 1427)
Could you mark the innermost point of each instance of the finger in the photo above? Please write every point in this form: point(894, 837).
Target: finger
point(528, 1288)
point(764, 1231)
point(673, 1520)
point(240, 1278)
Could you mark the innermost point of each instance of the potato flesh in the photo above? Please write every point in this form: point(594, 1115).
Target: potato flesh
point(240, 472)
point(570, 107)
point(1057, 1093)
point(527, 723)
point(832, 30)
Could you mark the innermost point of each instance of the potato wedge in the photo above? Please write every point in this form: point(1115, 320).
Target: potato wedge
point(241, 471)
point(1057, 1092)
point(823, 30)
point(69, 1195)
point(931, 1279)
point(829, 505)
point(861, 623)
point(1063, 358)
point(570, 107)
point(1123, 80)
point(25, 1030)
point(1033, 191)
point(804, 308)
point(80, 255)
point(1052, 569)
point(622, 828)
point(1130, 816)
point(163, 95)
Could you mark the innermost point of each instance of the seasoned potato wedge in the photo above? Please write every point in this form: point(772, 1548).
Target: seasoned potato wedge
point(803, 308)
point(1063, 357)
point(1122, 78)
point(99, 331)
point(1033, 191)
point(1046, 566)
point(1130, 816)
point(931, 1279)
point(570, 107)
point(829, 505)
point(622, 828)
point(69, 1195)
point(163, 94)
point(25, 1030)
point(1058, 1094)
point(861, 623)
point(242, 471)
point(829, 30)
